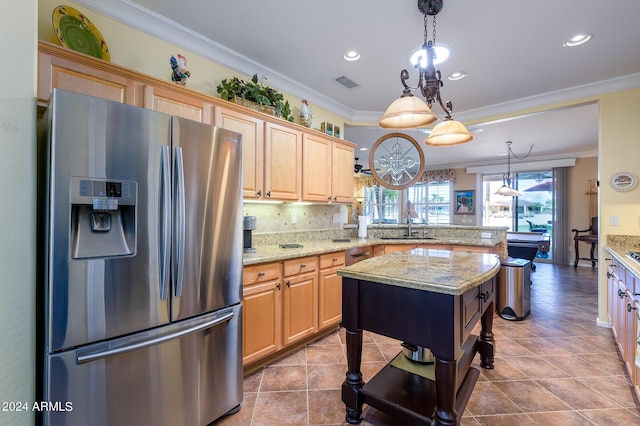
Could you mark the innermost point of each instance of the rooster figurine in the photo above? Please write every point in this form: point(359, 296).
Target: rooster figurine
point(179, 72)
point(306, 115)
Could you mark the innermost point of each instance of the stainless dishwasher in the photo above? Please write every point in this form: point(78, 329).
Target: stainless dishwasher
point(357, 254)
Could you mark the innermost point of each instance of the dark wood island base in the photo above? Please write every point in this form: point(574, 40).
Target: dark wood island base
point(439, 321)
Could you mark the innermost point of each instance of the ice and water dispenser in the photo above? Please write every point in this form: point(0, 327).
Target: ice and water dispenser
point(103, 218)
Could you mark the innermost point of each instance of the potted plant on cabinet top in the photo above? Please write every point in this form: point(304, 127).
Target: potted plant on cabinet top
point(240, 91)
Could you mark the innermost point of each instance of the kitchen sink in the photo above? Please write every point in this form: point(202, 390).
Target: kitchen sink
point(406, 238)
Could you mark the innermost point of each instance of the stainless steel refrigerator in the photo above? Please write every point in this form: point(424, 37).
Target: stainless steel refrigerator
point(140, 279)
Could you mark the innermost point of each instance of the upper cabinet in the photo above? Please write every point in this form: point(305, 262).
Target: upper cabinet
point(252, 131)
point(68, 70)
point(281, 160)
point(327, 169)
point(177, 103)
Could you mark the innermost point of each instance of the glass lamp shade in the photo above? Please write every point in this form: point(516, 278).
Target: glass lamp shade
point(407, 112)
point(508, 191)
point(449, 132)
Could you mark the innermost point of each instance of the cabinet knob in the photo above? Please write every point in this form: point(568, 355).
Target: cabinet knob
point(335, 198)
point(260, 193)
point(303, 266)
point(609, 274)
point(484, 296)
point(278, 286)
point(621, 294)
point(288, 283)
point(335, 259)
point(329, 198)
point(269, 194)
point(260, 274)
point(631, 308)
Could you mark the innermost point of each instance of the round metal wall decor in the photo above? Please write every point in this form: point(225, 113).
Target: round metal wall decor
point(396, 161)
point(623, 181)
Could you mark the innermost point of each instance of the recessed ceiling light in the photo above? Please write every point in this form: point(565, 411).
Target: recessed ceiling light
point(442, 53)
point(351, 56)
point(577, 40)
point(364, 149)
point(458, 75)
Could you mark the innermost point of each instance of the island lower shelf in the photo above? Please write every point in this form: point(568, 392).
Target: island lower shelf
point(411, 398)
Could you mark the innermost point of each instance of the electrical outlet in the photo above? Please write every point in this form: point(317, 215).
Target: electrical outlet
point(293, 218)
point(486, 235)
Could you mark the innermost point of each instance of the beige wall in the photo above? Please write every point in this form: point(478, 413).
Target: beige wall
point(619, 150)
point(18, 205)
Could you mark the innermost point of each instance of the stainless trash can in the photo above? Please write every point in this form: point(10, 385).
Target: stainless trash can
point(514, 289)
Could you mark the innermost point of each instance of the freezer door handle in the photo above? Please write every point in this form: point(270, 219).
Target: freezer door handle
point(179, 221)
point(165, 224)
point(140, 343)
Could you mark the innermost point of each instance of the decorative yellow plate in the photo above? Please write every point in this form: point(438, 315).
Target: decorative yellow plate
point(76, 32)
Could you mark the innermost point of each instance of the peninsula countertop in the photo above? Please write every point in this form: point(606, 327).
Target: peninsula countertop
point(273, 252)
point(439, 271)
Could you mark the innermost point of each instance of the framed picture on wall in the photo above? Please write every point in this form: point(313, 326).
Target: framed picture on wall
point(465, 202)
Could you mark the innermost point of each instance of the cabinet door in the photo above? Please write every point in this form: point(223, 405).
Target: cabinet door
point(434, 246)
point(176, 103)
point(63, 73)
point(300, 307)
point(330, 293)
point(342, 180)
point(261, 320)
point(316, 168)
point(252, 130)
point(283, 162)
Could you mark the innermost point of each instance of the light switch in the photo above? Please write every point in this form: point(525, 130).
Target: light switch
point(614, 220)
point(293, 218)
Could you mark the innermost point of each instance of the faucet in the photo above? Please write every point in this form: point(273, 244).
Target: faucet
point(409, 219)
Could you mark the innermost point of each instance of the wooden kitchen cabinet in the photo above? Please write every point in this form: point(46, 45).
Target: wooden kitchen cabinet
point(262, 311)
point(330, 289)
point(68, 70)
point(177, 103)
point(327, 169)
point(282, 162)
point(316, 168)
point(623, 305)
point(252, 130)
point(342, 180)
point(472, 249)
point(300, 305)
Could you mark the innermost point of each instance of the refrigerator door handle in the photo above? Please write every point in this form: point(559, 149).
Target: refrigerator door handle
point(137, 344)
point(179, 222)
point(165, 224)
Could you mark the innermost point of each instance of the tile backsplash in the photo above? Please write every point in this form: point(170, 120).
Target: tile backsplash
point(308, 217)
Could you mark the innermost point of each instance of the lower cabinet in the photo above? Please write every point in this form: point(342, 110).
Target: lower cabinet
point(330, 289)
point(300, 298)
point(623, 305)
point(262, 311)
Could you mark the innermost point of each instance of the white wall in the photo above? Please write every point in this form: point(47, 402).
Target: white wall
point(18, 29)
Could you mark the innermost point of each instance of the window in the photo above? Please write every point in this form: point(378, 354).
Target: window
point(430, 203)
point(381, 204)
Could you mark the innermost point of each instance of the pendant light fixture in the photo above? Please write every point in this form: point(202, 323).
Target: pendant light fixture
point(508, 180)
point(409, 111)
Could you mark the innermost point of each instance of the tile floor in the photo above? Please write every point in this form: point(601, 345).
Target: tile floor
point(555, 368)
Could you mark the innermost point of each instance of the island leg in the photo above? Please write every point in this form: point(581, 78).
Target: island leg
point(353, 383)
point(445, 393)
point(486, 341)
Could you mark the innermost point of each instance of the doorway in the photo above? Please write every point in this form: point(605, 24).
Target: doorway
point(533, 211)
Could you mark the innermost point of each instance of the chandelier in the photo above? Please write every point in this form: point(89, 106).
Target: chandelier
point(409, 111)
point(507, 179)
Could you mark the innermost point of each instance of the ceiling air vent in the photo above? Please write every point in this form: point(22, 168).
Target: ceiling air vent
point(346, 82)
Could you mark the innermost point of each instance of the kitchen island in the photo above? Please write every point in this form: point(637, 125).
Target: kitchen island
point(426, 297)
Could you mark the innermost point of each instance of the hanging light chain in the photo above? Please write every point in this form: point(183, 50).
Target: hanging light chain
point(434, 30)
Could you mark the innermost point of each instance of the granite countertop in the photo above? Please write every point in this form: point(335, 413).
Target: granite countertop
point(274, 253)
point(619, 251)
point(440, 271)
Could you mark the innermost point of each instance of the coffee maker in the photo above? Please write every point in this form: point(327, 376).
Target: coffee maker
point(249, 225)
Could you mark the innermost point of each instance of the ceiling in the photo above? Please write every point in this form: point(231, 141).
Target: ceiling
point(511, 51)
